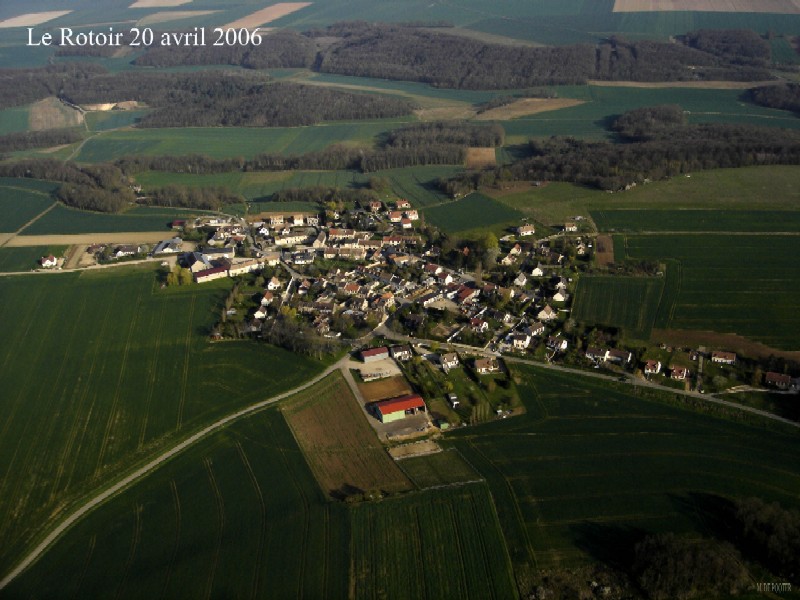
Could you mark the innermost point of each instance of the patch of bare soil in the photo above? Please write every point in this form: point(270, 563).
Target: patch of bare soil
point(172, 15)
point(526, 106)
point(478, 158)
point(31, 19)
point(729, 341)
point(267, 15)
point(604, 250)
point(88, 238)
point(701, 85)
point(788, 7)
point(445, 113)
point(158, 3)
point(415, 449)
point(384, 388)
point(51, 113)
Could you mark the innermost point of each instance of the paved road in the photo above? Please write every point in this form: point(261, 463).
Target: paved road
point(106, 493)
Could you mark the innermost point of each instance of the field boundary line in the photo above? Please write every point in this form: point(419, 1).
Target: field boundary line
point(220, 504)
point(103, 494)
point(28, 224)
point(176, 501)
point(263, 528)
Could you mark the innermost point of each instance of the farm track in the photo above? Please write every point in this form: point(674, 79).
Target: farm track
point(220, 505)
point(262, 537)
point(103, 494)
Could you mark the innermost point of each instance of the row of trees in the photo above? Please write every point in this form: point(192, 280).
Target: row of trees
point(180, 196)
point(784, 97)
point(25, 140)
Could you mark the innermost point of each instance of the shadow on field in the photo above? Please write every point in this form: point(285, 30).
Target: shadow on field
point(346, 491)
point(712, 515)
point(612, 545)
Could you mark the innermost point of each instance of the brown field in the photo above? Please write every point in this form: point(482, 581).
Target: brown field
point(478, 158)
point(172, 15)
point(268, 15)
point(50, 113)
point(604, 250)
point(31, 19)
point(158, 3)
point(89, 238)
point(753, 6)
point(526, 106)
point(728, 341)
point(341, 448)
point(415, 449)
point(702, 85)
point(385, 388)
point(459, 110)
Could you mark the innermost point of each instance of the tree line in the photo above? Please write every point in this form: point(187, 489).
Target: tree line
point(25, 140)
point(783, 97)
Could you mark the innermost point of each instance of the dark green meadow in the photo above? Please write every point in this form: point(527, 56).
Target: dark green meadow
point(475, 211)
point(630, 303)
point(700, 220)
point(20, 202)
point(102, 370)
point(592, 466)
point(63, 220)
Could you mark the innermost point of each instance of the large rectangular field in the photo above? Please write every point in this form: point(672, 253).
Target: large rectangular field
point(741, 284)
point(20, 202)
point(26, 259)
point(100, 370)
point(630, 303)
point(700, 220)
point(469, 213)
point(342, 450)
point(743, 6)
point(63, 220)
point(591, 463)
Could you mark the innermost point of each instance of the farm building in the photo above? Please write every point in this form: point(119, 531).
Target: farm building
point(778, 380)
point(210, 274)
point(619, 356)
point(399, 408)
point(725, 358)
point(374, 354)
point(526, 230)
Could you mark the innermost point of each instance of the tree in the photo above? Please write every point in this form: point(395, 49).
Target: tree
point(185, 277)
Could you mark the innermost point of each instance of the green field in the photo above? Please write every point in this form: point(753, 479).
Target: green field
point(744, 284)
point(227, 142)
point(592, 464)
point(20, 201)
point(700, 220)
point(469, 213)
point(775, 188)
point(64, 220)
point(442, 468)
point(630, 303)
point(13, 120)
point(100, 371)
point(27, 258)
point(103, 121)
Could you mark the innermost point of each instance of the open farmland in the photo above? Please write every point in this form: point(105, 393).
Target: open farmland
point(592, 467)
point(20, 203)
point(471, 212)
point(342, 449)
point(440, 468)
point(700, 220)
point(68, 221)
point(229, 141)
point(630, 303)
point(239, 515)
point(741, 284)
point(100, 371)
point(439, 544)
point(25, 259)
point(744, 6)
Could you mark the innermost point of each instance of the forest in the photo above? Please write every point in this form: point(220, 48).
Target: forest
point(24, 140)
point(784, 97)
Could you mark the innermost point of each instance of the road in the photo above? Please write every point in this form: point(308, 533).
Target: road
point(104, 494)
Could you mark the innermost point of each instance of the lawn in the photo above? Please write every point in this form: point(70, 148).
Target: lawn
point(592, 464)
point(342, 449)
point(20, 202)
point(472, 212)
point(630, 303)
point(226, 142)
point(27, 258)
point(700, 220)
point(100, 371)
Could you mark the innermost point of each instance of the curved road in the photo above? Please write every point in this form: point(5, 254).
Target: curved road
point(117, 487)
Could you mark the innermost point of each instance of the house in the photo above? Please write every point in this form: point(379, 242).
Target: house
point(547, 314)
point(320, 241)
point(168, 246)
point(399, 408)
point(126, 250)
point(271, 258)
point(521, 280)
point(453, 400)
point(374, 354)
point(338, 235)
point(536, 329)
point(445, 278)
point(244, 266)
point(725, 358)
point(261, 313)
point(778, 380)
point(557, 343)
point(484, 366)
point(303, 258)
point(619, 356)
point(178, 224)
point(516, 250)
point(521, 341)
point(432, 269)
point(375, 206)
point(652, 367)
point(596, 354)
point(538, 271)
point(412, 215)
point(48, 262)
point(479, 324)
point(678, 372)
point(274, 284)
point(449, 360)
point(402, 204)
point(559, 297)
point(526, 230)
point(395, 216)
point(401, 353)
point(210, 274)
point(267, 298)
point(406, 223)
point(570, 226)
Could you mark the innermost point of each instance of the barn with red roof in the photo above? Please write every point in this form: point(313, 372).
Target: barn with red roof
point(399, 408)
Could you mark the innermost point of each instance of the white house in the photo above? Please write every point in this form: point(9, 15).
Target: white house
point(449, 360)
point(48, 262)
point(652, 367)
point(521, 341)
point(547, 314)
point(526, 230)
point(274, 284)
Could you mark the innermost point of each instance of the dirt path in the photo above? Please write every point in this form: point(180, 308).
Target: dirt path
point(102, 495)
point(130, 237)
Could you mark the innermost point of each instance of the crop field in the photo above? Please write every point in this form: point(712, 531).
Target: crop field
point(20, 203)
point(749, 188)
point(237, 516)
point(102, 369)
point(105, 120)
point(591, 465)
point(701, 220)
point(25, 259)
point(591, 119)
point(225, 142)
point(342, 450)
point(439, 544)
point(742, 284)
point(471, 212)
point(630, 303)
point(65, 220)
point(14, 119)
point(442, 468)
